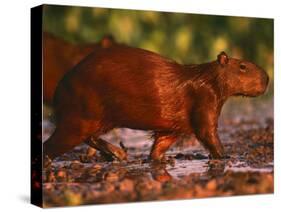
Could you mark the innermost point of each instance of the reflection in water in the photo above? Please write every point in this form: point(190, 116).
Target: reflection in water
point(159, 173)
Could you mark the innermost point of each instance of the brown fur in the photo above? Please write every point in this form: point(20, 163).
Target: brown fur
point(133, 88)
point(60, 56)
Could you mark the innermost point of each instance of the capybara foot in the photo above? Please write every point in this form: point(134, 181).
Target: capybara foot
point(223, 157)
point(217, 152)
point(107, 149)
point(157, 158)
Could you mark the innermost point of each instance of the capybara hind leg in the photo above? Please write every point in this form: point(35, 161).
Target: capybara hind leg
point(61, 141)
point(161, 144)
point(106, 148)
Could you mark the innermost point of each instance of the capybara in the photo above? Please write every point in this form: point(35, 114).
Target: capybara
point(60, 56)
point(124, 87)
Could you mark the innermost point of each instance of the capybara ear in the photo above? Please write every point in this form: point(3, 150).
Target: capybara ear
point(222, 58)
point(107, 41)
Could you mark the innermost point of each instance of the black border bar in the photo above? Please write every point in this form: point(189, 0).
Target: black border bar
point(36, 105)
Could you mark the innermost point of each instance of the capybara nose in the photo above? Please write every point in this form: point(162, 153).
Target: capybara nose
point(267, 80)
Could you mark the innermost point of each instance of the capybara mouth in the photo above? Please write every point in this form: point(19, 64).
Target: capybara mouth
point(258, 93)
point(251, 95)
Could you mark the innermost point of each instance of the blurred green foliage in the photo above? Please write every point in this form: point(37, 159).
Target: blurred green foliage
point(186, 38)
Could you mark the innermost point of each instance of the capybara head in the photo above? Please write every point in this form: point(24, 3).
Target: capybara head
point(242, 77)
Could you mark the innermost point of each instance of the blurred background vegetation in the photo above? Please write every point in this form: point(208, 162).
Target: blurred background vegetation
point(186, 38)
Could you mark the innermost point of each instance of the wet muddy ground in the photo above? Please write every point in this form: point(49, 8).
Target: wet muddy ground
point(83, 176)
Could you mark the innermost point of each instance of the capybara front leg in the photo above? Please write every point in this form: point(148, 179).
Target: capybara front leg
point(106, 148)
point(161, 144)
point(213, 144)
point(205, 128)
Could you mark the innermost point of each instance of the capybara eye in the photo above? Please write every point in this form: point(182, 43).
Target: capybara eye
point(242, 67)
